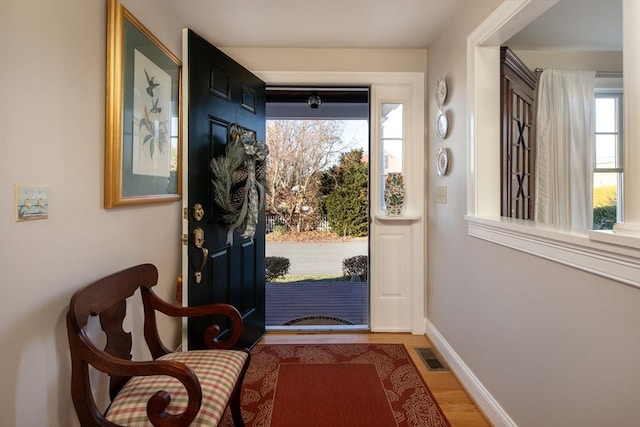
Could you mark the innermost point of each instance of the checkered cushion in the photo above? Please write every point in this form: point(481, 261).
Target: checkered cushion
point(217, 371)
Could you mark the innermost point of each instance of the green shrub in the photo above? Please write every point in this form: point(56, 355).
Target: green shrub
point(347, 214)
point(604, 217)
point(279, 230)
point(356, 266)
point(276, 266)
point(345, 198)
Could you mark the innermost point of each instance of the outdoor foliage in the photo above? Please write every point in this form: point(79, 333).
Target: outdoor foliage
point(345, 195)
point(279, 230)
point(604, 208)
point(276, 266)
point(356, 266)
point(299, 150)
point(604, 217)
point(604, 196)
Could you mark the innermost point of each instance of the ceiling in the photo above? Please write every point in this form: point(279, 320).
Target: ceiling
point(574, 25)
point(570, 24)
point(318, 23)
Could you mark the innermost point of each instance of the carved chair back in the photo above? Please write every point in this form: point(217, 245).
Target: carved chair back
point(106, 298)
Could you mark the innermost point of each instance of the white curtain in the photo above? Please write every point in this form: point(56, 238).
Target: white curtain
point(564, 140)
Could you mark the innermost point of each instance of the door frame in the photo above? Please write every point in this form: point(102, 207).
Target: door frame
point(299, 110)
point(410, 233)
point(184, 229)
point(402, 279)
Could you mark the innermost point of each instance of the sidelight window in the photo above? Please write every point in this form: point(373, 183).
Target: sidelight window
point(391, 141)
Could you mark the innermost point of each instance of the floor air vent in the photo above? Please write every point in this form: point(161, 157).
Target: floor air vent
point(430, 359)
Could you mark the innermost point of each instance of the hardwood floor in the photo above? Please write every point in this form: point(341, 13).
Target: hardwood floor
point(452, 398)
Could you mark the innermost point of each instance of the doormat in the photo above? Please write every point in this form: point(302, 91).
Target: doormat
point(337, 385)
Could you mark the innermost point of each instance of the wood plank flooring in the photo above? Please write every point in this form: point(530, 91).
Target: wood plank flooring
point(452, 398)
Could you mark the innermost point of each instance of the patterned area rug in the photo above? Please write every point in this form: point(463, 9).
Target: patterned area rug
point(302, 386)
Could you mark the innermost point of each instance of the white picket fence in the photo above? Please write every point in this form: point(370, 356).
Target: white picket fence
point(273, 220)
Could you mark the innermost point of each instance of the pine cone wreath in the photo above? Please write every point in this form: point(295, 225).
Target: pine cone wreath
point(240, 175)
point(238, 196)
point(260, 170)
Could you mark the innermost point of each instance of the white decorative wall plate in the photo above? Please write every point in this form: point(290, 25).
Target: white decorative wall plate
point(441, 91)
point(442, 161)
point(442, 125)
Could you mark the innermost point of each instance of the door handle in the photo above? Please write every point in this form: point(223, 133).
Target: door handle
point(198, 241)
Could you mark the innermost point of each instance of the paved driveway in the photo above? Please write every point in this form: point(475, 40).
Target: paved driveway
point(317, 258)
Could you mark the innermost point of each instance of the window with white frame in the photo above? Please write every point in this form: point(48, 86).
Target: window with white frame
point(391, 141)
point(607, 168)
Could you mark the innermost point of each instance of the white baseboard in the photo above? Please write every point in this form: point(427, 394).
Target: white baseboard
point(481, 396)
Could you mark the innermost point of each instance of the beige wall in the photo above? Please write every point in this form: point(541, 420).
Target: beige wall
point(553, 345)
point(334, 60)
point(52, 86)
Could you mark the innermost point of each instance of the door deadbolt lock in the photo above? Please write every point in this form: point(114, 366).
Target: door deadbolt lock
point(198, 212)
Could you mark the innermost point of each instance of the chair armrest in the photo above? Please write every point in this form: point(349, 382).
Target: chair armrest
point(159, 402)
point(211, 334)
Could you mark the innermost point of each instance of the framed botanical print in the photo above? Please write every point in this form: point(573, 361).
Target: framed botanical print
point(142, 129)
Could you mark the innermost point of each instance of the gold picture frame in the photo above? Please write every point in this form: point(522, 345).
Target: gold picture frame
point(143, 141)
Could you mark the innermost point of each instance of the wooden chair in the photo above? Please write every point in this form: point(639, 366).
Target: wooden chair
point(173, 389)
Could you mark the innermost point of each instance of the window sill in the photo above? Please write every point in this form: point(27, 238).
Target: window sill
point(606, 254)
point(610, 237)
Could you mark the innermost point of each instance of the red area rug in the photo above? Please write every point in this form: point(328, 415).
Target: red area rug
point(336, 385)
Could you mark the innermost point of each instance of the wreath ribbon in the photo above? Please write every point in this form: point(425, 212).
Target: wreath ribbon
point(242, 151)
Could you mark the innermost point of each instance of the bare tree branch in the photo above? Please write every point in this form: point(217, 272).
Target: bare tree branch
point(299, 150)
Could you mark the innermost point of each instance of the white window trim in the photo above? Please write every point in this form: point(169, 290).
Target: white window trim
point(616, 93)
point(613, 255)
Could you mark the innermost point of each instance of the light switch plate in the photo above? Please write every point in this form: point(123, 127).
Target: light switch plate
point(441, 194)
point(31, 202)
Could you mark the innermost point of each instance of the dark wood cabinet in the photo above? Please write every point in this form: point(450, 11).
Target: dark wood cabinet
point(518, 154)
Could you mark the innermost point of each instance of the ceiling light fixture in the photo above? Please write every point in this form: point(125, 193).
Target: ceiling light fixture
point(314, 101)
